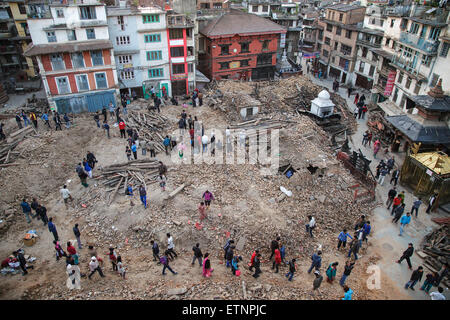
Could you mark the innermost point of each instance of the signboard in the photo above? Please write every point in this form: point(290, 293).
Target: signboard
point(429, 172)
point(308, 55)
point(128, 66)
point(283, 40)
point(179, 76)
point(390, 83)
point(235, 64)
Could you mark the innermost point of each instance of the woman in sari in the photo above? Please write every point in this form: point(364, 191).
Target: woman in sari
point(207, 270)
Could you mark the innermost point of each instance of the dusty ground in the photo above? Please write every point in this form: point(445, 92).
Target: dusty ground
point(244, 200)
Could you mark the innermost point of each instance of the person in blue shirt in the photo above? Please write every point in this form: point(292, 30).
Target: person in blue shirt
point(366, 230)
point(166, 144)
point(134, 150)
point(316, 261)
point(106, 127)
point(87, 168)
point(282, 252)
point(52, 228)
point(130, 193)
point(416, 205)
point(26, 209)
point(67, 120)
point(348, 293)
point(45, 118)
point(404, 221)
point(342, 238)
point(26, 121)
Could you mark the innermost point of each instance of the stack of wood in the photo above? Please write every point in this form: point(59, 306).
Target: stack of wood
point(136, 172)
point(436, 249)
point(7, 153)
point(149, 125)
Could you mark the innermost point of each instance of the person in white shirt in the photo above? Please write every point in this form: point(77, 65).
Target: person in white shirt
point(311, 225)
point(170, 246)
point(437, 295)
point(65, 193)
point(205, 140)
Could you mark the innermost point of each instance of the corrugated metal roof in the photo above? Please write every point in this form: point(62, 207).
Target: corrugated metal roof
point(38, 49)
point(438, 162)
point(241, 23)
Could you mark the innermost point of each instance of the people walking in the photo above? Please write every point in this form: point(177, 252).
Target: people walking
point(395, 204)
point(26, 209)
point(19, 121)
point(170, 247)
point(331, 272)
point(122, 129)
point(166, 143)
point(33, 119)
point(347, 271)
point(390, 164)
point(77, 233)
point(277, 262)
point(197, 254)
point(155, 251)
point(416, 206)
point(120, 268)
point(165, 262)
point(404, 221)
point(87, 168)
point(398, 212)
point(227, 246)
point(437, 295)
point(143, 195)
point(342, 238)
point(113, 258)
point(310, 225)
point(151, 147)
point(252, 259)
point(95, 267)
point(202, 210)
point(229, 255)
point(52, 228)
point(316, 261)
point(66, 121)
point(129, 193)
point(106, 128)
point(273, 246)
point(206, 266)
point(65, 193)
point(97, 119)
point(257, 265)
point(394, 177)
point(134, 150)
point(317, 282)
point(376, 148)
point(292, 269)
point(416, 276)
point(430, 280)
point(391, 195)
point(128, 152)
point(208, 197)
point(431, 202)
point(347, 293)
point(383, 173)
point(42, 212)
point(162, 182)
point(354, 247)
point(407, 254)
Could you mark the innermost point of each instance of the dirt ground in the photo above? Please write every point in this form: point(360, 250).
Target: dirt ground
point(245, 201)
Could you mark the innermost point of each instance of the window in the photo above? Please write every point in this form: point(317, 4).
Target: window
point(244, 63)
point(100, 80)
point(364, 52)
point(245, 47)
point(329, 27)
point(97, 58)
point(325, 53)
point(178, 68)
point(152, 38)
point(408, 82)
point(156, 73)
point(190, 67)
point(392, 23)
point(434, 33)
point(423, 32)
point(217, 5)
point(177, 52)
point(57, 61)
point(90, 33)
point(343, 63)
point(154, 55)
point(395, 95)
point(82, 82)
point(127, 75)
point(51, 36)
point(434, 80)
point(224, 65)
point(336, 45)
point(371, 71)
point(444, 50)
point(387, 42)
point(59, 13)
point(417, 87)
point(265, 9)
point(400, 77)
point(320, 34)
point(121, 23)
point(122, 40)
point(340, 17)
point(347, 50)
point(414, 28)
point(361, 66)
point(338, 31)
point(426, 60)
point(327, 40)
point(71, 35)
point(348, 34)
point(265, 44)
point(175, 33)
point(63, 85)
point(77, 60)
point(264, 59)
point(87, 12)
point(124, 59)
point(224, 49)
point(254, 8)
point(149, 18)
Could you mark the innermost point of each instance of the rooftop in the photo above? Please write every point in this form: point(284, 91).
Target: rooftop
point(433, 23)
point(438, 162)
point(237, 22)
point(435, 100)
point(345, 7)
point(38, 49)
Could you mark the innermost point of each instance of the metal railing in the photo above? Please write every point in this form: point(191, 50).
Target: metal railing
point(429, 46)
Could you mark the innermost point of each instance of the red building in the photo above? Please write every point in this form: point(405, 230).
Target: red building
point(238, 45)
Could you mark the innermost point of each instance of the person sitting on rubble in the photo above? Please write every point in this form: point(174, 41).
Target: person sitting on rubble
point(13, 262)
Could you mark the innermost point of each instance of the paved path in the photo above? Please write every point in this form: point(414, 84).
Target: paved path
point(384, 239)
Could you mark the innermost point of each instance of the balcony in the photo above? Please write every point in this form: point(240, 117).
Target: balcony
point(179, 21)
point(369, 43)
point(427, 46)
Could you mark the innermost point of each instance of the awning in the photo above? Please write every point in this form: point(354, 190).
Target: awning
point(200, 77)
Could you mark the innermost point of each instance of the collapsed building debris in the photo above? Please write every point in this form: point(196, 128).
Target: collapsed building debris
point(436, 250)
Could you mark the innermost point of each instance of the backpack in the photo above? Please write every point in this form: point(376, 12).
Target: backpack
point(163, 260)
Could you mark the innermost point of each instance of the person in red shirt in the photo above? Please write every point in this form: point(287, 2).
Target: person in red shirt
point(397, 201)
point(122, 128)
point(364, 110)
point(70, 248)
point(252, 260)
point(277, 261)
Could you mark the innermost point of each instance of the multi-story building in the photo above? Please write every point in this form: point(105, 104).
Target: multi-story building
point(213, 4)
point(74, 53)
point(262, 7)
point(240, 46)
point(308, 45)
point(341, 25)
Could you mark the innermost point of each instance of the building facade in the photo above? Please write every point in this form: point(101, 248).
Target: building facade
point(340, 33)
point(74, 54)
point(240, 46)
